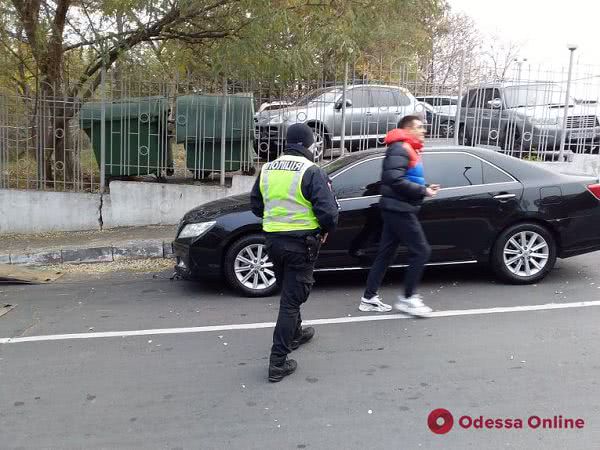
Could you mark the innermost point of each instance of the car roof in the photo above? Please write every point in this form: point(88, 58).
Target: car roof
point(518, 168)
point(358, 85)
point(438, 96)
point(505, 84)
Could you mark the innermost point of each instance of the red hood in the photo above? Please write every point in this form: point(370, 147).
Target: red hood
point(400, 135)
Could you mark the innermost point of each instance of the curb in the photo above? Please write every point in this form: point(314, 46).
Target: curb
point(136, 249)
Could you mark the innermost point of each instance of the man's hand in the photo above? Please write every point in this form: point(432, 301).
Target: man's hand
point(432, 190)
point(324, 238)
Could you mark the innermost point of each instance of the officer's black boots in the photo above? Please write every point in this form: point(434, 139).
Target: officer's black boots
point(277, 373)
point(307, 335)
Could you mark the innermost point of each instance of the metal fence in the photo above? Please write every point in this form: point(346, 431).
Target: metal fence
point(203, 130)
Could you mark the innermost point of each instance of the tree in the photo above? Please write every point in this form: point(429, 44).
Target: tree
point(456, 41)
point(60, 49)
point(500, 56)
point(97, 33)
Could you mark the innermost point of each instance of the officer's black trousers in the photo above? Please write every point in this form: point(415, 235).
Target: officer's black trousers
point(294, 272)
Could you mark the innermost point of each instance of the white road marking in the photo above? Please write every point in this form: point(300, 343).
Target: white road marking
point(256, 326)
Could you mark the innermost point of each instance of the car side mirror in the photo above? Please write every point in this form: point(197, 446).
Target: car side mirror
point(495, 104)
point(338, 105)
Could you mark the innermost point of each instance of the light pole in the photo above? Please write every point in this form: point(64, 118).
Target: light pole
point(563, 137)
point(520, 62)
point(344, 92)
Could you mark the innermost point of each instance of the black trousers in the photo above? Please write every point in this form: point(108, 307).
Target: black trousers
point(294, 272)
point(399, 229)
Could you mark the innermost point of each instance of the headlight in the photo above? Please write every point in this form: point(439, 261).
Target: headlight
point(546, 121)
point(195, 229)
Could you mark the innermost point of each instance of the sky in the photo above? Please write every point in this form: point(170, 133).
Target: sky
point(544, 28)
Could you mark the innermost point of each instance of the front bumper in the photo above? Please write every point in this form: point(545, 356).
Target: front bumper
point(549, 138)
point(192, 262)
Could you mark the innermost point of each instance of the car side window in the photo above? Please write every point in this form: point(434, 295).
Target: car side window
point(490, 94)
point(383, 97)
point(475, 98)
point(492, 174)
point(360, 97)
point(401, 98)
point(361, 180)
point(452, 169)
point(466, 100)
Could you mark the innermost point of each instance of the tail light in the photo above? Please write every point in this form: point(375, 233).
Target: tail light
point(594, 189)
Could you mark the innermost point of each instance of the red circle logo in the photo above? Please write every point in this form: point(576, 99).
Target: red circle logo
point(440, 421)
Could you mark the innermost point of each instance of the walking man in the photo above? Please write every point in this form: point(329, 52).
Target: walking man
point(403, 189)
point(293, 196)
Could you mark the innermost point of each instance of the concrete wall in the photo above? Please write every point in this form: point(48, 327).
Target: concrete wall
point(24, 211)
point(584, 164)
point(132, 203)
point(128, 204)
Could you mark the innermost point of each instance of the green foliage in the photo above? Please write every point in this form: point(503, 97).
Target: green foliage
point(275, 40)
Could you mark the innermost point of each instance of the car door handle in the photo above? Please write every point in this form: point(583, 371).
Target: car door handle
point(368, 114)
point(504, 196)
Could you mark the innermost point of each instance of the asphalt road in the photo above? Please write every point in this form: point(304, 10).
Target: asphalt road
point(359, 385)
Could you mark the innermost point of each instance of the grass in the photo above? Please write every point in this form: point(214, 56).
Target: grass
point(22, 173)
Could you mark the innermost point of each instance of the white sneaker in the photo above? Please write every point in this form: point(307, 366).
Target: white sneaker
point(374, 304)
point(413, 305)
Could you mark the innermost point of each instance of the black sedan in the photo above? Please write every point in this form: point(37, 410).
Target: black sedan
point(514, 215)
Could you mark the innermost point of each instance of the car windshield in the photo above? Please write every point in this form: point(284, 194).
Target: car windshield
point(340, 163)
point(325, 95)
point(439, 101)
point(546, 94)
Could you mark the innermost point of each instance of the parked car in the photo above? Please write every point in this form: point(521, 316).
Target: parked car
point(444, 105)
point(444, 114)
point(513, 214)
point(272, 106)
point(524, 117)
point(371, 110)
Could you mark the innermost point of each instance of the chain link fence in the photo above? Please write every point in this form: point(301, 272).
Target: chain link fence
point(187, 130)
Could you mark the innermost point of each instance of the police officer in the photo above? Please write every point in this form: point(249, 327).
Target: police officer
point(293, 196)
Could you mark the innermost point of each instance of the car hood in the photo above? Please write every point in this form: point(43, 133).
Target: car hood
point(289, 113)
point(217, 208)
point(553, 112)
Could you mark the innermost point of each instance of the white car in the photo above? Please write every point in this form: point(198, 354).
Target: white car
point(443, 105)
point(270, 106)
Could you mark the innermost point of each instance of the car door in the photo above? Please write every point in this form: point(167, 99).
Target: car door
point(359, 223)
point(391, 105)
point(476, 199)
point(361, 118)
point(491, 113)
point(471, 105)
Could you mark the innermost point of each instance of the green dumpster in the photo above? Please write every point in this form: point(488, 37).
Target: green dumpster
point(199, 129)
point(136, 136)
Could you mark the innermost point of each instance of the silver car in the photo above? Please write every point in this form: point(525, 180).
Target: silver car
point(371, 111)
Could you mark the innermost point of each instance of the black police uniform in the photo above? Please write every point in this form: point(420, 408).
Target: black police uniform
point(294, 254)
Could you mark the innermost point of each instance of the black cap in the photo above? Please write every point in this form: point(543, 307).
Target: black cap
point(299, 137)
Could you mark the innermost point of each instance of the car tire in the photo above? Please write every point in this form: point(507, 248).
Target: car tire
point(512, 142)
point(463, 137)
point(446, 129)
point(322, 138)
point(242, 260)
point(511, 259)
